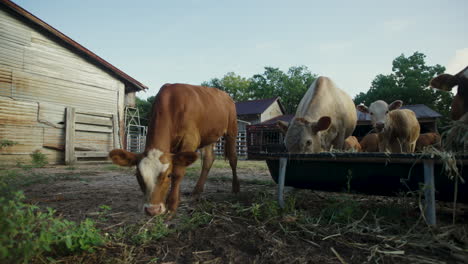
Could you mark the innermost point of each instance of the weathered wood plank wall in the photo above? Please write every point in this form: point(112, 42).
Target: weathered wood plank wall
point(39, 78)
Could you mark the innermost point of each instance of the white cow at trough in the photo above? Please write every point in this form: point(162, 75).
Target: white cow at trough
point(325, 117)
point(397, 129)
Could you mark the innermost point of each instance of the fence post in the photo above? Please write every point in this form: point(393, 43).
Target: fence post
point(281, 177)
point(70, 157)
point(429, 192)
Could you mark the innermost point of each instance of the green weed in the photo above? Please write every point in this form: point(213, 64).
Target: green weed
point(29, 234)
point(5, 143)
point(39, 159)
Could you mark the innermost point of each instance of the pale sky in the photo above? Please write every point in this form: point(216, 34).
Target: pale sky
point(158, 42)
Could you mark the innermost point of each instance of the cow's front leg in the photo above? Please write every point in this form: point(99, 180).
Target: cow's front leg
point(173, 199)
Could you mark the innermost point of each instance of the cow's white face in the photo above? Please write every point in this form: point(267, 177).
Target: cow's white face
point(303, 136)
point(150, 168)
point(378, 112)
point(154, 170)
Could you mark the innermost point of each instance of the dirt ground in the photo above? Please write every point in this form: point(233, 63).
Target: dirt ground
point(247, 227)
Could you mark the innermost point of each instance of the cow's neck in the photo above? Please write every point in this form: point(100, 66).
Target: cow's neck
point(160, 134)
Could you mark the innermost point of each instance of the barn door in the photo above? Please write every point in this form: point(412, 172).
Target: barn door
point(89, 136)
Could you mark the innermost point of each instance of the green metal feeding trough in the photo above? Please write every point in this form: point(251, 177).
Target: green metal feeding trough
point(368, 173)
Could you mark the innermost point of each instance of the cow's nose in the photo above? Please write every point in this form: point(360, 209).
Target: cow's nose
point(380, 126)
point(155, 209)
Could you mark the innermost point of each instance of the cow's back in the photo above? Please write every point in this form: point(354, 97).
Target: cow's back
point(324, 98)
point(403, 124)
point(192, 110)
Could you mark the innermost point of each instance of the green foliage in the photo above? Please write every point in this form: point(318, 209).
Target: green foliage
point(264, 208)
point(103, 212)
point(343, 210)
point(39, 159)
point(28, 234)
point(151, 231)
point(5, 143)
point(409, 82)
point(144, 107)
point(273, 82)
point(236, 86)
point(291, 86)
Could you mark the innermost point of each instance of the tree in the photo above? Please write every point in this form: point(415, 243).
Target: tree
point(409, 82)
point(236, 86)
point(290, 86)
point(144, 107)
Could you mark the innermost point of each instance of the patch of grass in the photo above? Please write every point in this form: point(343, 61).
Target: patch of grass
point(153, 230)
point(103, 212)
point(342, 210)
point(29, 234)
point(39, 159)
point(113, 167)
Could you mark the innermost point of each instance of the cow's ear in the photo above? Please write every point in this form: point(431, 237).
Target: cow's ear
point(444, 82)
point(322, 124)
point(124, 158)
point(362, 108)
point(395, 105)
point(184, 158)
point(283, 126)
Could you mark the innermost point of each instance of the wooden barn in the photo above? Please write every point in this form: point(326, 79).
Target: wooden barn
point(56, 96)
point(257, 111)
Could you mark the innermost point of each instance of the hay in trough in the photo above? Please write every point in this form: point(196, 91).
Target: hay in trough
point(455, 139)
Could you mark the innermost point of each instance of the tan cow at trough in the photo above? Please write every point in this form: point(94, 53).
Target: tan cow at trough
point(398, 129)
point(370, 143)
point(428, 139)
point(352, 144)
point(184, 119)
point(325, 117)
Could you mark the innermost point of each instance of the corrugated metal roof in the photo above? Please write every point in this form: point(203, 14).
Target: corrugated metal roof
point(255, 106)
point(133, 84)
point(421, 111)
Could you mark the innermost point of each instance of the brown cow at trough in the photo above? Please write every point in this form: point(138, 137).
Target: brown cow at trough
point(457, 139)
point(398, 129)
point(324, 118)
point(428, 139)
point(370, 143)
point(184, 119)
point(446, 82)
point(352, 144)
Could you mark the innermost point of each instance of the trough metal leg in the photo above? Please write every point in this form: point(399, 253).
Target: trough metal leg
point(281, 176)
point(429, 192)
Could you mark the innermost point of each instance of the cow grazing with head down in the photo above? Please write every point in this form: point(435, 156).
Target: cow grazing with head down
point(184, 119)
point(352, 144)
point(324, 118)
point(446, 82)
point(370, 143)
point(428, 139)
point(398, 129)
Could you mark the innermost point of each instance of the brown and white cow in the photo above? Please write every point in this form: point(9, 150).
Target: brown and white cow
point(370, 143)
point(446, 82)
point(398, 129)
point(352, 144)
point(184, 119)
point(428, 139)
point(325, 117)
